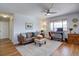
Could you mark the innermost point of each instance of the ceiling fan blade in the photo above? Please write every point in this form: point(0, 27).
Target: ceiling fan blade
point(52, 12)
point(44, 11)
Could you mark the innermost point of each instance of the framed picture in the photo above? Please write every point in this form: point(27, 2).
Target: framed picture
point(75, 25)
point(28, 26)
point(74, 20)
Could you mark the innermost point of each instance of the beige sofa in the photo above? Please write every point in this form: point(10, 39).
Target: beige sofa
point(23, 39)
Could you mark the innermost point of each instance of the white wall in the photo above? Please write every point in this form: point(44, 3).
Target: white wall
point(19, 25)
point(69, 20)
point(70, 23)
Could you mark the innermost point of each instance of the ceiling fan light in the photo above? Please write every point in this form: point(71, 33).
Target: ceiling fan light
point(48, 14)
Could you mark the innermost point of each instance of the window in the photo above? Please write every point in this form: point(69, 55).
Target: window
point(58, 24)
point(65, 25)
point(52, 26)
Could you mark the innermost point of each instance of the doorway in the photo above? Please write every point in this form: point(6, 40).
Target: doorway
point(5, 27)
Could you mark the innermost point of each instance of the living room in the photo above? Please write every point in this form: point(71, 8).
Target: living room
point(48, 25)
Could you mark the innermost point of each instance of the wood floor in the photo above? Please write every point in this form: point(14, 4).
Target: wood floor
point(67, 50)
point(7, 48)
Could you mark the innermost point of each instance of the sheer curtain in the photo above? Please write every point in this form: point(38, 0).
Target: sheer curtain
point(58, 24)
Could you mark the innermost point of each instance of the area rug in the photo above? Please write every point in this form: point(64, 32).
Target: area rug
point(34, 50)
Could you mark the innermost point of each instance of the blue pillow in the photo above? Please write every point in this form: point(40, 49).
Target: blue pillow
point(26, 35)
point(33, 34)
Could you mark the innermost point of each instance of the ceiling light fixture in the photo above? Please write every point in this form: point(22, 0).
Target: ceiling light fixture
point(48, 14)
point(5, 16)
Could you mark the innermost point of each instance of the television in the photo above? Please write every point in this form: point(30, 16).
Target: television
point(59, 29)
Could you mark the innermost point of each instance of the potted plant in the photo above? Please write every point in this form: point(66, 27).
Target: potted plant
point(70, 29)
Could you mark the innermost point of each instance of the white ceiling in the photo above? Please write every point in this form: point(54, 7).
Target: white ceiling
point(36, 8)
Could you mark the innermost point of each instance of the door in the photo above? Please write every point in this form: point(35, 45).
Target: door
point(4, 29)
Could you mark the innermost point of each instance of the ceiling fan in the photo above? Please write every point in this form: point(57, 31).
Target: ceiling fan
point(48, 11)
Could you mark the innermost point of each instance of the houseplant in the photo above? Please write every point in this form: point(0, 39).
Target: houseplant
point(70, 29)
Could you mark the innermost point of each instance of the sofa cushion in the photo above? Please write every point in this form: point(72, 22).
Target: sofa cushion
point(36, 33)
point(29, 34)
point(23, 34)
point(58, 35)
point(33, 34)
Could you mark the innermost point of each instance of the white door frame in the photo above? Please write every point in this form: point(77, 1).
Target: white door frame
point(11, 23)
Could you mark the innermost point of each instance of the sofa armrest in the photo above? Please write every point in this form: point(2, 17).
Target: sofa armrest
point(21, 39)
